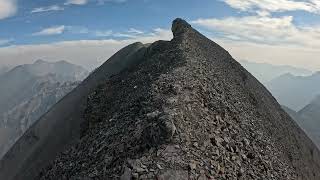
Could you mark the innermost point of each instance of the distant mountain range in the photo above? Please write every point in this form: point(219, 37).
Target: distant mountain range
point(265, 72)
point(19, 83)
point(293, 91)
point(298, 90)
point(28, 91)
point(292, 87)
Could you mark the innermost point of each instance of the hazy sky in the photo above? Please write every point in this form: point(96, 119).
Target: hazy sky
point(87, 32)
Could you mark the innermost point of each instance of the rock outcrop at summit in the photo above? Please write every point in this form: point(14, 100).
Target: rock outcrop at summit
point(179, 109)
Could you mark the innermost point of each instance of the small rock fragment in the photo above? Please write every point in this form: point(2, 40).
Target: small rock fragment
point(126, 174)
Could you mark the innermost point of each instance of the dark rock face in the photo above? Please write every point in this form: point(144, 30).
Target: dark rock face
point(184, 109)
point(187, 111)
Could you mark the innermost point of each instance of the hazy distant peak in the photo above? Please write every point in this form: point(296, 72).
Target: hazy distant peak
point(63, 71)
point(63, 62)
point(43, 62)
point(287, 76)
point(311, 76)
point(40, 61)
point(295, 91)
point(4, 69)
point(265, 72)
point(55, 63)
point(316, 74)
point(316, 101)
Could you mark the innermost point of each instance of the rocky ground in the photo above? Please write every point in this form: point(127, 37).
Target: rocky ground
point(188, 111)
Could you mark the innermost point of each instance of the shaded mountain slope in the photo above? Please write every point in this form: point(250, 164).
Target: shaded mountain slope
point(28, 91)
point(3, 69)
point(182, 109)
point(312, 110)
point(18, 119)
point(309, 119)
point(295, 92)
point(309, 124)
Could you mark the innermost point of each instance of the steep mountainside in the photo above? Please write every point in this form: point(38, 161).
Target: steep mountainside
point(309, 124)
point(310, 117)
point(28, 91)
point(295, 92)
point(17, 120)
point(3, 69)
point(265, 72)
point(179, 109)
point(312, 110)
point(295, 116)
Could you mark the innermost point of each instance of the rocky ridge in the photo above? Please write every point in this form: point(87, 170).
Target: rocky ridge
point(188, 110)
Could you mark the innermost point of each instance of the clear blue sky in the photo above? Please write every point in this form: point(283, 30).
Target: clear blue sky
point(94, 16)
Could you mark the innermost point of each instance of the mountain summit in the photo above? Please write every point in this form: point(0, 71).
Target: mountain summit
point(179, 109)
